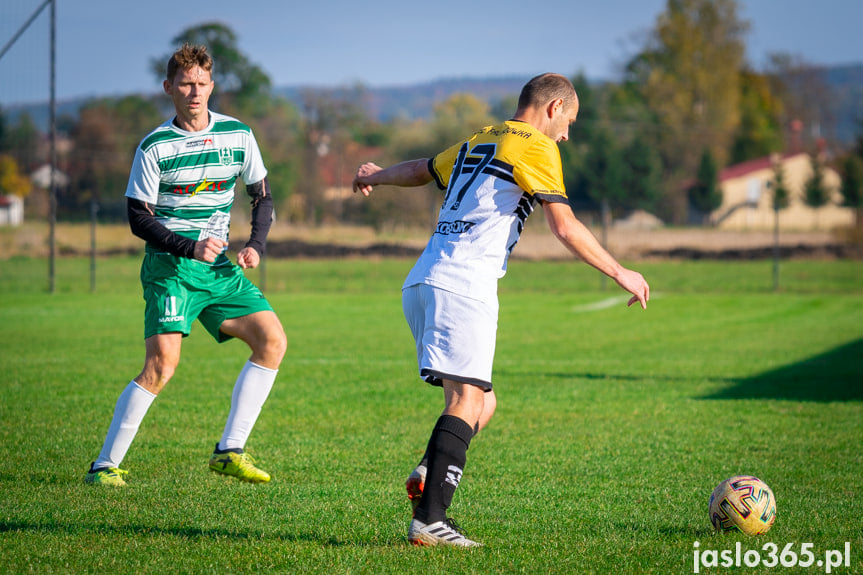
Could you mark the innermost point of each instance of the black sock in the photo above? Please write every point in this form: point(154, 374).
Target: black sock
point(447, 454)
point(425, 458)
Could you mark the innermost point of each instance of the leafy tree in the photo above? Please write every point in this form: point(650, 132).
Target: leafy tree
point(625, 106)
point(235, 76)
point(12, 182)
point(452, 120)
point(604, 171)
point(504, 108)
point(807, 100)
point(760, 129)
point(104, 141)
point(642, 175)
point(22, 142)
point(852, 185)
point(278, 134)
point(573, 153)
point(331, 124)
point(781, 200)
point(815, 192)
point(858, 142)
point(590, 110)
point(705, 195)
point(243, 89)
point(781, 196)
point(457, 116)
point(4, 146)
point(688, 74)
point(574, 179)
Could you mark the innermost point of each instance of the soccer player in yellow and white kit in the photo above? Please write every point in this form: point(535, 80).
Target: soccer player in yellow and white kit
point(179, 198)
point(492, 181)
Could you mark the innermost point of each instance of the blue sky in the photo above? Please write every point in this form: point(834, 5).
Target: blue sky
point(104, 46)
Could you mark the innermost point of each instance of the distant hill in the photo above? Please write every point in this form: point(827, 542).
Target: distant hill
point(418, 100)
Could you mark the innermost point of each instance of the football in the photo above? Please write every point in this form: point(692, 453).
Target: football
point(742, 502)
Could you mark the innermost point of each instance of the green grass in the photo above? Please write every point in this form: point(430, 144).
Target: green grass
point(613, 424)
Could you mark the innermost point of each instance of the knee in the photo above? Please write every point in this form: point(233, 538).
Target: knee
point(277, 344)
point(271, 348)
point(489, 405)
point(155, 376)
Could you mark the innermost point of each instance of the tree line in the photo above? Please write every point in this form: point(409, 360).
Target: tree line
point(687, 104)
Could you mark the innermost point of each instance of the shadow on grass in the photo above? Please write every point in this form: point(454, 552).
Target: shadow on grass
point(594, 376)
point(190, 533)
point(836, 375)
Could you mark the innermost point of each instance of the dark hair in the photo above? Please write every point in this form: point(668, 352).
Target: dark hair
point(542, 89)
point(187, 57)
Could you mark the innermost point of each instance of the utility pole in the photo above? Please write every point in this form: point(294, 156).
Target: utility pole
point(53, 189)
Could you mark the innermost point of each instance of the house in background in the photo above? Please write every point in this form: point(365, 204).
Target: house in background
point(11, 210)
point(747, 197)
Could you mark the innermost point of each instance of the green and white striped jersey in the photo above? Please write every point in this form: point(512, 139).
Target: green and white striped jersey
point(189, 177)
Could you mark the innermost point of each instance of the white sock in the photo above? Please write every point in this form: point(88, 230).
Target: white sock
point(250, 392)
point(130, 410)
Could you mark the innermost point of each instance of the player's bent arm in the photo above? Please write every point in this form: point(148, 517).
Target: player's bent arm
point(405, 174)
point(144, 224)
point(581, 242)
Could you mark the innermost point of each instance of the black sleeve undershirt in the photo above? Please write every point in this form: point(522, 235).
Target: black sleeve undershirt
point(262, 214)
point(144, 224)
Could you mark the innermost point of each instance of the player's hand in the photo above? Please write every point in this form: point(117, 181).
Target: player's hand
point(634, 283)
point(208, 249)
point(248, 258)
point(361, 183)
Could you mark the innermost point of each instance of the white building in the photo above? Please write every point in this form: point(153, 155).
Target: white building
point(11, 210)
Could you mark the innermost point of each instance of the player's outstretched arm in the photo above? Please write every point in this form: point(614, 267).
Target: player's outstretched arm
point(578, 239)
point(406, 174)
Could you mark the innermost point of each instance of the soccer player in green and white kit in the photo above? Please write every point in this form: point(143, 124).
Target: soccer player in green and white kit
point(179, 198)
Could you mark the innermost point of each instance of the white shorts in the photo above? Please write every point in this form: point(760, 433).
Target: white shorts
point(455, 335)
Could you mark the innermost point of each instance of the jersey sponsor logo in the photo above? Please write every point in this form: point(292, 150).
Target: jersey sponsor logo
point(226, 156)
point(204, 186)
point(526, 134)
point(456, 227)
point(199, 143)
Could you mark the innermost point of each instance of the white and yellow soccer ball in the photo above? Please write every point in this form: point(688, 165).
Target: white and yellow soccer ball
point(742, 502)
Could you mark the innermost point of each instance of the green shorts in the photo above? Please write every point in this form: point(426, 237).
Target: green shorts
point(179, 290)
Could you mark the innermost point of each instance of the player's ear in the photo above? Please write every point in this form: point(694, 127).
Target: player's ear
point(167, 87)
point(554, 107)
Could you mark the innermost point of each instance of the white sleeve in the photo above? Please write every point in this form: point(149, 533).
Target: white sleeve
point(253, 168)
point(144, 178)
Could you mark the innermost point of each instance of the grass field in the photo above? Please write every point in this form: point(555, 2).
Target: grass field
point(613, 424)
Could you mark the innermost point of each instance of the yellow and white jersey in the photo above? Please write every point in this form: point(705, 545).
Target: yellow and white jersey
point(492, 181)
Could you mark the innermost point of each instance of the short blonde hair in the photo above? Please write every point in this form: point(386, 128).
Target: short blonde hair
point(187, 57)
